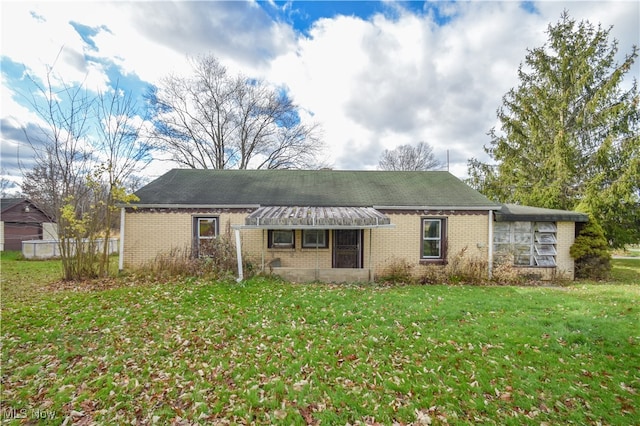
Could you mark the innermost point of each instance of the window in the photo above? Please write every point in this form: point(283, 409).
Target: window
point(531, 243)
point(205, 231)
point(315, 238)
point(282, 238)
point(433, 239)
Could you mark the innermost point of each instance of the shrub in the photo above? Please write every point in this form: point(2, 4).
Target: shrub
point(214, 260)
point(462, 269)
point(591, 252)
point(433, 274)
point(459, 269)
point(504, 271)
point(397, 271)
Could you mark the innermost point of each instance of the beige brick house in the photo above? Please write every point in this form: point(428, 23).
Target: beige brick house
point(330, 225)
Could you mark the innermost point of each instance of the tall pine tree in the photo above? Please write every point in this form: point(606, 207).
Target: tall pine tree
point(569, 133)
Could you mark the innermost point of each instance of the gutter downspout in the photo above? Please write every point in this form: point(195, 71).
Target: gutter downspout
point(490, 245)
point(239, 255)
point(121, 254)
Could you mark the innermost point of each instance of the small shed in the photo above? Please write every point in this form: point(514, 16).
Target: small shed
point(22, 220)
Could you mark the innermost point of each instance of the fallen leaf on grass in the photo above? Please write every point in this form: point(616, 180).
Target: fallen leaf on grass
point(628, 388)
point(298, 386)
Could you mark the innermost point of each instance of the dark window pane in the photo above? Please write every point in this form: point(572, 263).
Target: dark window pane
point(431, 248)
point(283, 237)
point(207, 227)
point(431, 229)
point(314, 238)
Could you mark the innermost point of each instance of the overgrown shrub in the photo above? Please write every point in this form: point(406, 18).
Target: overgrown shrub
point(459, 269)
point(175, 263)
point(591, 253)
point(504, 271)
point(469, 270)
point(216, 259)
point(397, 271)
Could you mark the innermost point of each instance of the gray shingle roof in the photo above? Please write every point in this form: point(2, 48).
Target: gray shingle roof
point(432, 189)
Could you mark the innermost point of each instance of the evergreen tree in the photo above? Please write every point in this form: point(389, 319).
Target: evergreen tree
point(591, 252)
point(568, 133)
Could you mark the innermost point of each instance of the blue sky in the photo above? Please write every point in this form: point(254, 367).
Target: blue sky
point(374, 75)
point(301, 15)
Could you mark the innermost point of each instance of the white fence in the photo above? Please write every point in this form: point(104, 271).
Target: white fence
point(47, 249)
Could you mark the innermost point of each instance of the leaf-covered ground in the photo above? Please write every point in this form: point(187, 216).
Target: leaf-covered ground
point(267, 352)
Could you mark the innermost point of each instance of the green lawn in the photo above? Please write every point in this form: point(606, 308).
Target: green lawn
point(270, 352)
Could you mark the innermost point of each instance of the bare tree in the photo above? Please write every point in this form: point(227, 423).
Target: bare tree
point(408, 157)
point(212, 120)
point(8, 187)
point(62, 157)
point(85, 147)
point(122, 151)
point(292, 147)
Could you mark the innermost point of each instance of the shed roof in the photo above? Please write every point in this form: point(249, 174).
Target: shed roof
point(514, 212)
point(7, 203)
point(319, 188)
point(14, 204)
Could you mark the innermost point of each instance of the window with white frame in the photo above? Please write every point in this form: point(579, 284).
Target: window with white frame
point(205, 231)
point(315, 238)
point(530, 243)
point(433, 238)
point(281, 238)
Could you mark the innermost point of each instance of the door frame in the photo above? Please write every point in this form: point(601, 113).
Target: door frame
point(360, 251)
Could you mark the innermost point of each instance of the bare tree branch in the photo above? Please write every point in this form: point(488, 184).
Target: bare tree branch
point(408, 157)
point(214, 120)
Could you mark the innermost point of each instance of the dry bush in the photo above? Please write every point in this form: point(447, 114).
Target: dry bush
point(504, 271)
point(397, 271)
point(459, 269)
point(433, 274)
point(214, 260)
point(182, 263)
point(468, 270)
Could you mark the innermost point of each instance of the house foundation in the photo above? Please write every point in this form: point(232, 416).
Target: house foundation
point(333, 275)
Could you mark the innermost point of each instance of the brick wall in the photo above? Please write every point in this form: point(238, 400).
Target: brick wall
point(467, 232)
point(150, 233)
point(565, 236)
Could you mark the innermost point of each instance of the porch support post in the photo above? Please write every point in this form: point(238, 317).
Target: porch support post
point(490, 245)
point(370, 253)
point(121, 254)
point(262, 249)
point(239, 255)
point(317, 260)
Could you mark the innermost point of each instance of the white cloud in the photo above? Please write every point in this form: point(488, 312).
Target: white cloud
point(381, 83)
point(372, 84)
point(384, 82)
point(47, 39)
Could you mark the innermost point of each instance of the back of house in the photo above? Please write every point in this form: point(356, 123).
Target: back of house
point(326, 225)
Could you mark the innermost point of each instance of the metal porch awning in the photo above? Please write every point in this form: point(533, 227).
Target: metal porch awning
point(295, 217)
